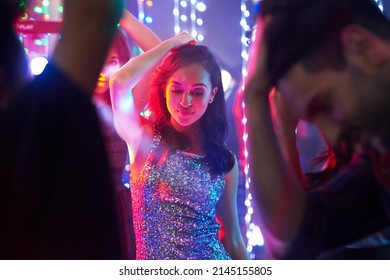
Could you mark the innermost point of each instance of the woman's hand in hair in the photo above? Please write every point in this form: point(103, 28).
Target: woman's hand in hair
point(181, 39)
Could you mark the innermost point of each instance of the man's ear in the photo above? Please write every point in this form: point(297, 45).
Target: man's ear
point(362, 46)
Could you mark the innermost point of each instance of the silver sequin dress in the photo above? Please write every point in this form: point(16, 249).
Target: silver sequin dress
point(174, 208)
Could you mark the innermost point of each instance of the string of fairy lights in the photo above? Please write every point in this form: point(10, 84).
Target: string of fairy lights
point(187, 15)
point(253, 233)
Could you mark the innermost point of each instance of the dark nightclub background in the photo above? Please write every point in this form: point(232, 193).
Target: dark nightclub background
point(221, 27)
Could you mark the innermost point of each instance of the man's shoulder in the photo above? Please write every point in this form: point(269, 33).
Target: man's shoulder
point(49, 104)
point(53, 84)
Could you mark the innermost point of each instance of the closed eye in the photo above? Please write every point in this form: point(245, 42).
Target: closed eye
point(176, 90)
point(198, 91)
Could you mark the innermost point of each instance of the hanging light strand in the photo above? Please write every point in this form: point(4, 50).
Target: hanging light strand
point(141, 10)
point(188, 17)
point(253, 233)
point(193, 17)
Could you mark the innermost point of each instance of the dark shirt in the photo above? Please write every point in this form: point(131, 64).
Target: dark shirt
point(116, 150)
point(57, 199)
point(345, 208)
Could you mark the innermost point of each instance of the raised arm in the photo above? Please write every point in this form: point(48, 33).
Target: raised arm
point(278, 192)
point(87, 32)
point(228, 216)
point(143, 36)
point(146, 39)
point(123, 99)
point(285, 124)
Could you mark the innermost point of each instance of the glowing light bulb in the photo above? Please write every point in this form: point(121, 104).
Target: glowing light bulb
point(201, 7)
point(148, 19)
point(38, 64)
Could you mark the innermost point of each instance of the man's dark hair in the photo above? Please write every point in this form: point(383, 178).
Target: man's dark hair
point(309, 31)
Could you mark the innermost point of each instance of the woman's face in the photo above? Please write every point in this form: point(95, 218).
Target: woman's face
point(111, 65)
point(188, 93)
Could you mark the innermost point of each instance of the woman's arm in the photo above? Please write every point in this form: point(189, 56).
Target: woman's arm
point(126, 115)
point(146, 39)
point(142, 35)
point(227, 215)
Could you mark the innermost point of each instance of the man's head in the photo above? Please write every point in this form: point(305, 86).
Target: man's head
point(330, 59)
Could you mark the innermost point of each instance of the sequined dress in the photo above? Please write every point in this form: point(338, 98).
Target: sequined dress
point(174, 208)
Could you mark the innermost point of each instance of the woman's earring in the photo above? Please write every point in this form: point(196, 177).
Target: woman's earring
point(211, 100)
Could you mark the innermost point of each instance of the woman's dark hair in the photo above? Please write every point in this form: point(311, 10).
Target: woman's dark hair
point(121, 44)
point(213, 122)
